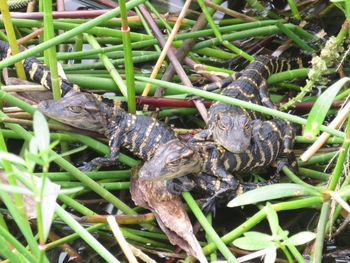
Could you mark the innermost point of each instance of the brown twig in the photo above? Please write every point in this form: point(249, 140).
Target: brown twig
point(58, 127)
point(121, 219)
point(182, 53)
point(72, 253)
point(167, 46)
point(162, 41)
point(229, 11)
point(34, 34)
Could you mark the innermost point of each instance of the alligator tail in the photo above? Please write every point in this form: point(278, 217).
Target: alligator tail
point(17, 4)
point(37, 71)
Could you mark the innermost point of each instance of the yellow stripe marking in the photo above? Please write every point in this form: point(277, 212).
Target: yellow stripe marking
point(251, 81)
point(145, 138)
point(43, 80)
point(265, 66)
point(256, 71)
point(33, 70)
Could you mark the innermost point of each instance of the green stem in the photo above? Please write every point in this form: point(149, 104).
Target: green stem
point(67, 35)
point(317, 256)
point(85, 235)
point(51, 52)
point(129, 66)
point(208, 228)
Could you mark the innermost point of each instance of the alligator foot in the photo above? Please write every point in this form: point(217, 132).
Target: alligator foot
point(87, 167)
point(287, 163)
point(178, 185)
point(209, 204)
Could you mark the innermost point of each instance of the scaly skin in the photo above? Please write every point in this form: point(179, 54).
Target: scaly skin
point(142, 135)
point(146, 137)
point(37, 71)
point(230, 125)
point(176, 159)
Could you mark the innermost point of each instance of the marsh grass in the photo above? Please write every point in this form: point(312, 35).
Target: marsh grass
point(321, 183)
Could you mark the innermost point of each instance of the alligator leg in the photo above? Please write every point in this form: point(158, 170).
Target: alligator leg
point(288, 146)
point(178, 185)
point(104, 161)
point(217, 168)
point(221, 83)
point(217, 85)
point(265, 99)
point(201, 136)
point(99, 161)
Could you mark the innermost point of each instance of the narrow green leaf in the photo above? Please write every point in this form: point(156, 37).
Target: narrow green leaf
point(254, 234)
point(253, 241)
point(72, 190)
point(320, 109)
point(48, 202)
point(344, 191)
point(271, 192)
point(41, 130)
point(272, 218)
point(300, 238)
point(11, 158)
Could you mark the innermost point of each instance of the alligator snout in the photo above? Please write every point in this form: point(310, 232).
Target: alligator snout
point(145, 174)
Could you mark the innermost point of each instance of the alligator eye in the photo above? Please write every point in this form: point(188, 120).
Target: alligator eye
point(174, 161)
point(246, 124)
point(75, 109)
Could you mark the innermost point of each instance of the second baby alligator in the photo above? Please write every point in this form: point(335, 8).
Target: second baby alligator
point(175, 159)
point(230, 125)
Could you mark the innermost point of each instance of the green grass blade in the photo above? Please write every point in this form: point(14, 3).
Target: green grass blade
point(321, 107)
point(271, 192)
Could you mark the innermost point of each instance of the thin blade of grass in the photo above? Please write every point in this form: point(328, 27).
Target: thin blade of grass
point(271, 192)
point(321, 107)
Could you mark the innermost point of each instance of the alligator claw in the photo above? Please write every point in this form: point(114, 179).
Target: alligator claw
point(209, 204)
point(194, 97)
point(87, 167)
point(178, 185)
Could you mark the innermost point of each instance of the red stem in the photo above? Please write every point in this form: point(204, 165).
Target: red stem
point(188, 103)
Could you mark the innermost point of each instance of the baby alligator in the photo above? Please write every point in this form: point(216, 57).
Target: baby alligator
point(176, 159)
point(142, 135)
point(35, 70)
point(230, 125)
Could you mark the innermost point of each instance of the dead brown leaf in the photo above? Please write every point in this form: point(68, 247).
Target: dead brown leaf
point(169, 212)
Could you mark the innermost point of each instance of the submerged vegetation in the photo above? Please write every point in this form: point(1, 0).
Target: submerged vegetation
point(136, 54)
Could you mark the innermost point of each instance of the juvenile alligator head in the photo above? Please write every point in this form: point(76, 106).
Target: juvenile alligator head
point(78, 109)
point(232, 131)
point(171, 160)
